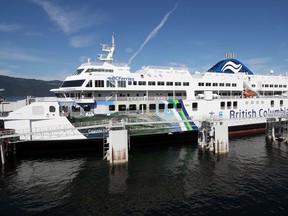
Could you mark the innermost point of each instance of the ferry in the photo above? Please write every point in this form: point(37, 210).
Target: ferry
point(104, 90)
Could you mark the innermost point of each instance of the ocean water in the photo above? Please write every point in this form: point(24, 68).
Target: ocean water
point(174, 179)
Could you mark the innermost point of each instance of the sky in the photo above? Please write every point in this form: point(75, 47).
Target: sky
point(49, 39)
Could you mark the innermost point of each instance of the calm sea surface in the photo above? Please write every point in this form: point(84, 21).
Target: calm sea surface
point(252, 179)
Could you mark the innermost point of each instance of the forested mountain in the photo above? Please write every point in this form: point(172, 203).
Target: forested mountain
point(27, 87)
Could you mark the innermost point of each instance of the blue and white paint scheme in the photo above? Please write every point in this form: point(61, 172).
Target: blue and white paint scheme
point(104, 90)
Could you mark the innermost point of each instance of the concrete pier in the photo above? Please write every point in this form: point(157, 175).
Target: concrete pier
point(115, 143)
point(277, 128)
point(213, 136)
point(118, 140)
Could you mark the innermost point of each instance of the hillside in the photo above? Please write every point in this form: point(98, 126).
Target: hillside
point(27, 87)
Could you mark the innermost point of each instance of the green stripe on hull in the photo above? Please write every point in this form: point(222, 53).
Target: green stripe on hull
point(182, 115)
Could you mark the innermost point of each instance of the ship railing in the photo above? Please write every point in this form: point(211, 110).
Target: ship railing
point(6, 132)
point(143, 98)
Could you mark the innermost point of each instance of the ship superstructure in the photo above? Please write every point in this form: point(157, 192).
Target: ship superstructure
point(228, 90)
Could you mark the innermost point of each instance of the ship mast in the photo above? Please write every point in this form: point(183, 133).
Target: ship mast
point(110, 50)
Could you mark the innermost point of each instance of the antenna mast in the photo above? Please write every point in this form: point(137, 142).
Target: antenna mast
point(109, 50)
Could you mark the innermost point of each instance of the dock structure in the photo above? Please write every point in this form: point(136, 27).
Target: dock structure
point(7, 144)
point(115, 143)
point(277, 128)
point(213, 136)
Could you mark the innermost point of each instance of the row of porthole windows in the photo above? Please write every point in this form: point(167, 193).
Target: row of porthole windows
point(274, 86)
point(272, 103)
point(122, 83)
point(234, 104)
point(217, 84)
point(152, 107)
point(228, 105)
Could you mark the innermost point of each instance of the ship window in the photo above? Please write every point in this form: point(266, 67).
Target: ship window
point(142, 83)
point(271, 85)
point(111, 107)
point(266, 85)
point(280, 86)
point(52, 109)
point(234, 84)
point(99, 83)
point(152, 107)
point(185, 83)
point(229, 105)
point(78, 71)
point(281, 103)
point(75, 108)
point(235, 105)
point(285, 86)
point(86, 108)
point(88, 95)
point(160, 83)
point(272, 103)
point(134, 82)
point(122, 107)
point(99, 70)
point(253, 85)
point(121, 83)
point(129, 82)
point(222, 105)
point(72, 83)
point(276, 86)
point(161, 107)
point(228, 84)
point(221, 84)
point(72, 95)
point(169, 83)
point(178, 94)
point(177, 83)
point(89, 84)
point(178, 106)
point(170, 105)
point(200, 84)
point(142, 107)
point(110, 83)
point(151, 83)
point(215, 84)
point(63, 109)
point(132, 106)
point(208, 84)
point(170, 94)
point(194, 106)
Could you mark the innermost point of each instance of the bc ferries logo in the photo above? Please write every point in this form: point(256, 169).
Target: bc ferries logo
point(120, 78)
point(232, 67)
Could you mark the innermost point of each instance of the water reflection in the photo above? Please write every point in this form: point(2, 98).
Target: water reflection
point(117, 178)
point(169, 180)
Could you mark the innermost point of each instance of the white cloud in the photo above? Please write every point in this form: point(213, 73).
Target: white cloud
point(129, 50)
point(83, 40)
point(263, 66)
point(17, 55)
point(175, 64)
point(9, 27)
point(70, 20)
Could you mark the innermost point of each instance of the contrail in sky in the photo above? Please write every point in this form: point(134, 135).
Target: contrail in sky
point(153, 33)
